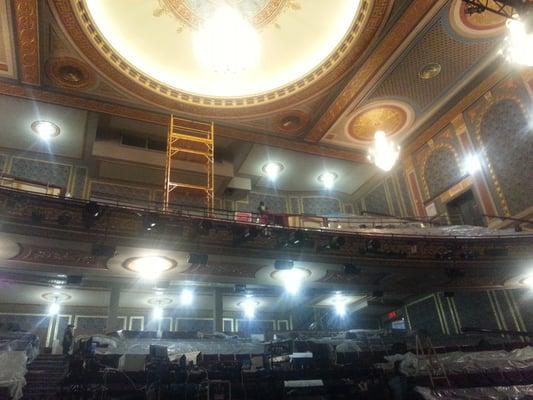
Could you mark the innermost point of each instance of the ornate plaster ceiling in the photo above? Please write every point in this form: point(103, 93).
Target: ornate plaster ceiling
point(147, 48)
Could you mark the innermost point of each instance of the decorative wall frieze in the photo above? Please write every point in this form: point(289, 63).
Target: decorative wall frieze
point(27, 26)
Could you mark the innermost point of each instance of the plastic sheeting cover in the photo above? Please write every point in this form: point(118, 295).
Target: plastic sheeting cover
point(12, 371)
point(465, 362)
point(479, 393)
point(142, 346)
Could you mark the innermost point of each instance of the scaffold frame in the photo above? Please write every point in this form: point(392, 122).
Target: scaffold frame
point(193, 139)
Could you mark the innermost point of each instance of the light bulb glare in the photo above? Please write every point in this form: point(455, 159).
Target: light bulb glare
point(186, 297)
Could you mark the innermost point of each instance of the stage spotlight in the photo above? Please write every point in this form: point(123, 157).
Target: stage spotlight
point(242, 234)
point(351, 269)
point(91, 213)
point(198, 259)
point(157, 313)
point(186, 297)
point(150, 222)
point(54, 308)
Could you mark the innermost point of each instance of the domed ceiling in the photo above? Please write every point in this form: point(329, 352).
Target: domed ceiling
point(301, 48)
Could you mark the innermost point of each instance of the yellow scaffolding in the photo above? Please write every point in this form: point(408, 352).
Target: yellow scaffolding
point(190, 141)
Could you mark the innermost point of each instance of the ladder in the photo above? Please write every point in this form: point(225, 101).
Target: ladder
point(435, 368)
point(190, 141)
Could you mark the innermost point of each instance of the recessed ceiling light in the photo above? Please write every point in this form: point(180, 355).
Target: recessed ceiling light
point(292, 279)
point(327, 179)
point(471, 164)
point(186, 297)
point(45, 129)
point(248, 305)
point(272, 170)
point(149, 267)
point(54, 309)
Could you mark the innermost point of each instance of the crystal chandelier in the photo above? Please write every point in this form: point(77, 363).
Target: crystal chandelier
point(518, 44)
point(384, 153)
point(226, 42)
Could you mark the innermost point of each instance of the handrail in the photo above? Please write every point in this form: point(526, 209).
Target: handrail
point(257, 219)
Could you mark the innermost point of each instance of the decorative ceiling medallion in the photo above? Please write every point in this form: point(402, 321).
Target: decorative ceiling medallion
point(477, 25)
point(388, 118)
point(291, 121)
point(192, 13)
point(429, 71)
point(70, 73)
point(57, 297)
point(78, 24)
point(160, 301)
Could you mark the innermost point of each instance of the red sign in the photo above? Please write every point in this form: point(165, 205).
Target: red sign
point(392, 315)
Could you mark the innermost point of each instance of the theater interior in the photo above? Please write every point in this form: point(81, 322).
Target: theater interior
point(266, 199)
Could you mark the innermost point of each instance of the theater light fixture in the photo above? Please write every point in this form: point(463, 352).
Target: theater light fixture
point(327, 179)
point(384, 153)
point(186, 297)
point(149, 267)
point(471, 164)
point(339, 304)
point(45, 129)
point(518, 44)
point(226, 42)
point(528, 281)
point(157, 313)
point(272, 170)
point(54, 308)
point(292, 279)
point(248, 305)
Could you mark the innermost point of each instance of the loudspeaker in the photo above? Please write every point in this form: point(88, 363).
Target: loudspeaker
point(102, 250)
point(198, 259)
point(74, 279)
point(283, 264)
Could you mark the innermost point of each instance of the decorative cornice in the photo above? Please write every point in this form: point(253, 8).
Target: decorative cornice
point(394, 39)
point(86, 38)
point(233, 270)
point(10, 89)
point(57, 256)
point(27, 26)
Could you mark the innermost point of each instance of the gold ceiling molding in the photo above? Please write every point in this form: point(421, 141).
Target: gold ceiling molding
point(393, 40)
point(267, 11)
point(27, 26)
point(76, 22)
point(70, 73)
point(45, 96)
point(477, 25)
point(388, 118)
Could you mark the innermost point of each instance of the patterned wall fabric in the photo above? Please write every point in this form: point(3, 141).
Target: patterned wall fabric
point(441, 171)
point(195, 325)
point(394, 198)
point(321, 205)
point(508, 141)
point(129, 194)
point(35, 324)
point(90, 325)
point(295, 205)
point(255, 326)
point(41, 171)
point(423, 315)
point(404, 192)
point(275, 204)
point(80, 178)
point(475, 310)
point(376, 201)
point(3, 162)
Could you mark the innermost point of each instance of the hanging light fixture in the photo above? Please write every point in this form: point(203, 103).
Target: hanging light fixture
point(226, 42)
point(518, 44)
point(384, 153)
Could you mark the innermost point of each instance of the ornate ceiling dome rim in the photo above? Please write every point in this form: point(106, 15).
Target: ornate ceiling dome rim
point(77, 24)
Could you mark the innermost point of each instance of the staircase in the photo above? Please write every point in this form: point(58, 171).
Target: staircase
point(43, 377)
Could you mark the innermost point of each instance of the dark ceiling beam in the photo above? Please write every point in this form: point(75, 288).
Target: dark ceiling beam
point(408, 22)
point(67, 100)
point(27, 40)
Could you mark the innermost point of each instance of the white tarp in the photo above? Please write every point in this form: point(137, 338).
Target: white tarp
point(178, 346)
point(12, 372)
point(479, 393)
point(467, 362)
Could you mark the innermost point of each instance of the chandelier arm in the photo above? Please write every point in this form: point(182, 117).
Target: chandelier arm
point(478, 6)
